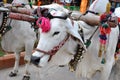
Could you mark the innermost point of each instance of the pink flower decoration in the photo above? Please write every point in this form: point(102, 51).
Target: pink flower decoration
point(44, 24)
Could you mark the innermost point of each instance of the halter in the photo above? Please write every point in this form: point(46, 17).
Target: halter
point(56, 48)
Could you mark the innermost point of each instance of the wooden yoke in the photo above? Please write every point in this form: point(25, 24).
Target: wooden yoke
point(21, 10)
point(22, 17)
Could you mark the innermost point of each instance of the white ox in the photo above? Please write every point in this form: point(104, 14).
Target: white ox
point(20, 38)
point(91, 63)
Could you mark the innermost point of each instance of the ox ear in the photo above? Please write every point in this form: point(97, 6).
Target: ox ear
point(73, 30)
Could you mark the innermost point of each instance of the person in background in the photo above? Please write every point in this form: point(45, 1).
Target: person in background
point(75, 2)
point(83, 6)
point(9, 1)
point(115, 3)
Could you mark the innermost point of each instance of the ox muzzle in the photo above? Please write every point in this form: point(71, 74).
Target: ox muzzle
point(35, 60)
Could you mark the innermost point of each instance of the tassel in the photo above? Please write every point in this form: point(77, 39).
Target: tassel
point(119, 19)
point(108, 7)
point(103, 18)
point(88, 42)
point(105, 29)
point(103, 61)
point(100, 51)
point(105, 25)
point(103, 39)
point(116, 57)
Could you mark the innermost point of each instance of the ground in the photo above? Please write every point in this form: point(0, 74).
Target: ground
point(61, 74)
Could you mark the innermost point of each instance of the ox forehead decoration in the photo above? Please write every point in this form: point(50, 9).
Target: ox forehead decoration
point(44, 24)
point(44, 21)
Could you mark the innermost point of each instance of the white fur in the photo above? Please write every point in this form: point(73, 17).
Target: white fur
point(99, 6)
point(117, 12)
point(91, 63)
point(21, 37)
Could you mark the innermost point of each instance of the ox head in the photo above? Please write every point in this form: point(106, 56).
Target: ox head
point(56, 30)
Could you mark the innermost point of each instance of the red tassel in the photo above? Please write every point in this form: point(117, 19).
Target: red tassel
point(118, 45)
point(105, 30)
point(108, 30)
point(102, 30)
point(103, 16)
point(119, 19)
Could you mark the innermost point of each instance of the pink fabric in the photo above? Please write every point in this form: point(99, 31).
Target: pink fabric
point(44, 24)
point(102, 41)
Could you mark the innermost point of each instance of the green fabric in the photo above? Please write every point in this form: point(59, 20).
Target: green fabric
point(72, 8)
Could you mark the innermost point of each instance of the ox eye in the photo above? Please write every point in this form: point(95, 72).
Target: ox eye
point(55, 33)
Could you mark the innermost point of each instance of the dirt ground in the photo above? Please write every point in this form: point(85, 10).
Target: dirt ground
point(58, 73)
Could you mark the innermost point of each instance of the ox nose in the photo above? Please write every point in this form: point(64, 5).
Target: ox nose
point(35, 60)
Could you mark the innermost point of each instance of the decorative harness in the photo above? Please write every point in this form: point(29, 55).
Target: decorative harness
point(79, 53)
point(56, 48)
point(78, 56)
point(4, 28)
